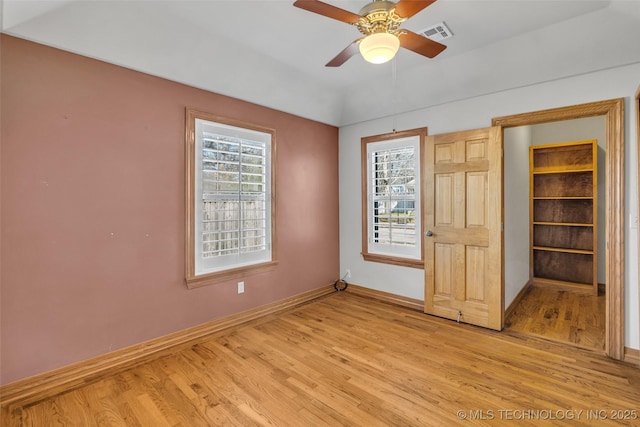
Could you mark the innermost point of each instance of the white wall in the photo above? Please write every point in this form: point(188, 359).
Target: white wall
point(516, 210)
point(477, 112)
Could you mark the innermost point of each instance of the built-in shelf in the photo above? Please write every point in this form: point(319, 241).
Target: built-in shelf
point(563, 212)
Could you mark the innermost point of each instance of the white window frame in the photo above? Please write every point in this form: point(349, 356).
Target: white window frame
point(372, 248)
point(238, 262)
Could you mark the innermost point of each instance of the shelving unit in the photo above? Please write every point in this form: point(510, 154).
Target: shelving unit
point(563, 213)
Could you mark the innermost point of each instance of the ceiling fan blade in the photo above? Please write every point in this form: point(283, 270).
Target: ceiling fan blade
point(328, 10)
point(419, 44)
point(408, 8)
point(343, 56)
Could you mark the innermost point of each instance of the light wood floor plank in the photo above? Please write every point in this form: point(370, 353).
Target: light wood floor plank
point(561, 316)
point(353, 361)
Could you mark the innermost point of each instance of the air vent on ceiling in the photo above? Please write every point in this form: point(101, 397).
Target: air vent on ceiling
point(437, 32)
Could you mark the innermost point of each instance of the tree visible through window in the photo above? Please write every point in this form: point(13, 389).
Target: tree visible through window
point(393, 183)
point(230, 197)
point(391, 186)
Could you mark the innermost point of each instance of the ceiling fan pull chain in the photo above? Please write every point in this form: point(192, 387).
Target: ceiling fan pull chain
point(394, 115)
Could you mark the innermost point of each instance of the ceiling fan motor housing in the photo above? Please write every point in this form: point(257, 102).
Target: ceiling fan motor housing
point(379, 17)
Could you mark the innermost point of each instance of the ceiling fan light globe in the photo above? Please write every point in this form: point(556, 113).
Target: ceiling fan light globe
point(379, 48)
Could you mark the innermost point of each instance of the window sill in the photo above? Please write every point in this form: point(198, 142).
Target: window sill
point(234, 273)
point(386, 259)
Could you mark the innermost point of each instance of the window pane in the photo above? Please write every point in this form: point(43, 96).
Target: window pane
point(394, 222)
point(235, 198)
point(393, 198)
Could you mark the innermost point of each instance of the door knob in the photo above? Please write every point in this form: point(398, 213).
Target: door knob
point(429, 233)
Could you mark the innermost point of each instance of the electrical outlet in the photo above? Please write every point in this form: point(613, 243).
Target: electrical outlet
point(348, 275)
point(241, 287)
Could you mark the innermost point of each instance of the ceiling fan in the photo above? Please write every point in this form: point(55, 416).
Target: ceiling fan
point(379, 22)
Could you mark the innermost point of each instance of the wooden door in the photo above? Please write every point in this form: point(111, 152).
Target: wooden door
point(463, 219)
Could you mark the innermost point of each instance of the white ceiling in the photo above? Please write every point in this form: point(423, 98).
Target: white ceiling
point(273, 54)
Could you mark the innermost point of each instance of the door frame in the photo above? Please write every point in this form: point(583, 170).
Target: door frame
point(613, 110)
point(637, 107)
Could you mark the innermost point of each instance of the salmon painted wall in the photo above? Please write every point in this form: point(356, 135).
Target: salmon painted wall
point(92, 209)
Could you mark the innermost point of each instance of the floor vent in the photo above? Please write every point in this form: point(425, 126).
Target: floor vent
point(437, 32)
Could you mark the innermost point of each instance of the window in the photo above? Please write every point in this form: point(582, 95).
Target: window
point(230, 212)
point(391, 185)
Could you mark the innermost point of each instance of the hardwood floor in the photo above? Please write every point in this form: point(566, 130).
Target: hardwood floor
point(563, 316)
point(349, 360)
